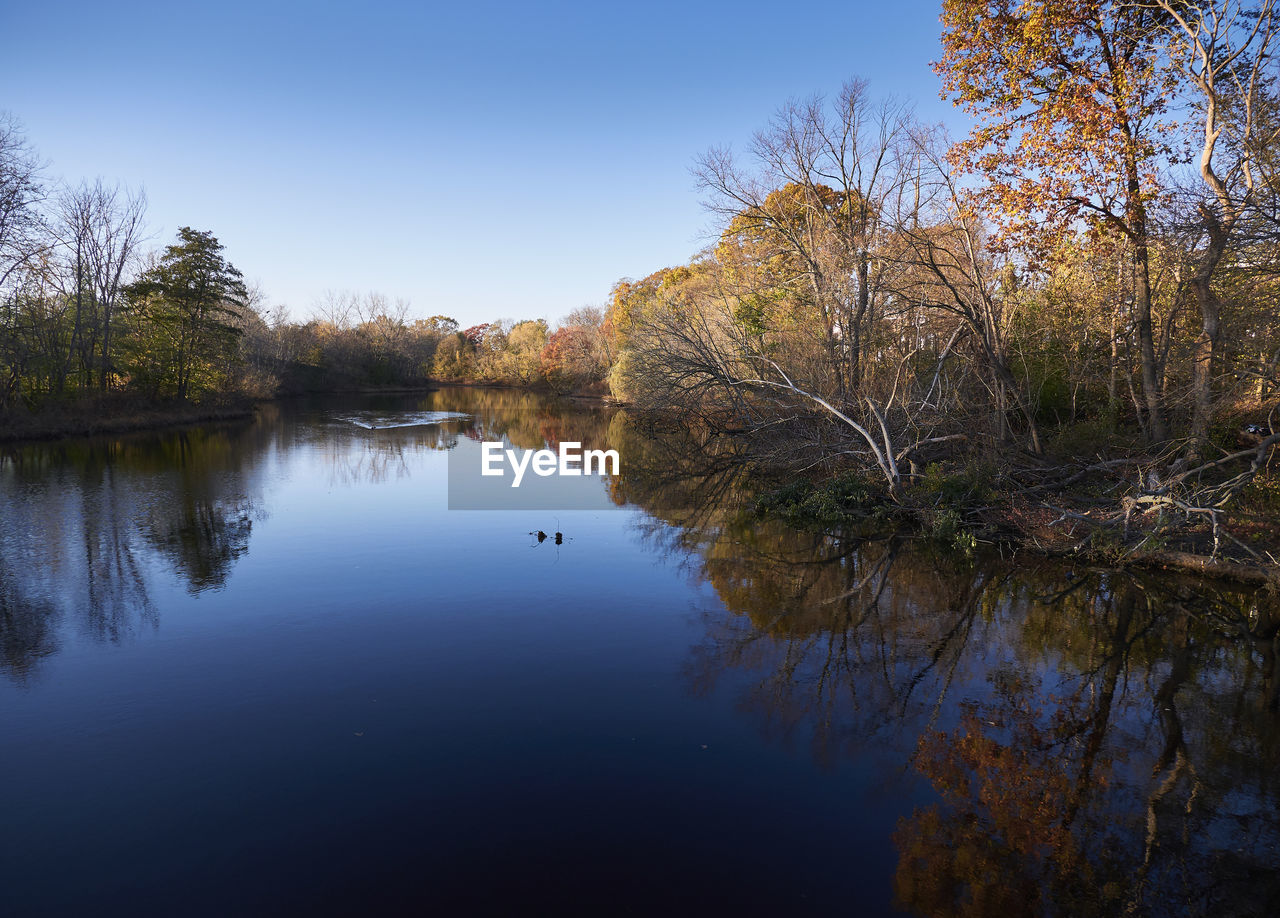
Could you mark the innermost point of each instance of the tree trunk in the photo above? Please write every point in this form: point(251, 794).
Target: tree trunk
point(1202, 371)
point(1206, 344)
point(106, 347)
point(1157, 423)
point(864, 301)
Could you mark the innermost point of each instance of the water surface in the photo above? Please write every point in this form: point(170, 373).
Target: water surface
point(261, 669)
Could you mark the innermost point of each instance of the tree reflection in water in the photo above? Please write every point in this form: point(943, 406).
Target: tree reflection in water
point(1071, 741)
point(88, 523)
point(1094, 742)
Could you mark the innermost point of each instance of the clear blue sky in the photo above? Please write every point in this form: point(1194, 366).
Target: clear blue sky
point(481, 159)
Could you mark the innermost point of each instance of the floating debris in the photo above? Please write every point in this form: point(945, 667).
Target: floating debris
point(371, 421)
point(541, 536)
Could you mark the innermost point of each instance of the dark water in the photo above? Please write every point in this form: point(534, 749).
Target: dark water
point(261, 669)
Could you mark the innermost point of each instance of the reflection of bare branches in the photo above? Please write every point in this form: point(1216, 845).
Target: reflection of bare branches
point(1174, 764)
point(372, 458)
point(83, 522)
point(114, 581)
point(1101, 712)
point(28, 627)
point(203, 538)
point(828, 640)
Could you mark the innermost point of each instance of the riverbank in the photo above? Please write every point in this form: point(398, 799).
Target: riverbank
point(1050, 510)
point(965, 508)
point(118, 412)
point(598, 392)
point(114, 413)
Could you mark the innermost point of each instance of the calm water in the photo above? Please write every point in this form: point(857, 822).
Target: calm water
point(261, 669)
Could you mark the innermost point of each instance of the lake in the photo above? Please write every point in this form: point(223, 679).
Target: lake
point(262, 668)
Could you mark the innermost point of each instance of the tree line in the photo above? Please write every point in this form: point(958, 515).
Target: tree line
point(1095, 265)
point(88, 310)
point(364, 340)
point(1084, 288)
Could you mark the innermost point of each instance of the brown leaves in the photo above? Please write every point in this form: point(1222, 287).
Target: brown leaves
point(1070, 97)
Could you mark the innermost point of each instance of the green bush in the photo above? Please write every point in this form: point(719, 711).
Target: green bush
point(955, 488)
point(843, 499)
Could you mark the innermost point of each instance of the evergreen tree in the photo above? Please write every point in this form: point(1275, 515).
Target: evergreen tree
point(186, 308)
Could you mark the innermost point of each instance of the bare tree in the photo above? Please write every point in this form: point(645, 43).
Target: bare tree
point(337, 307)
point(22, 230)
point(101, 228)
point(940, 244)
point(113, 249)
point(821, 175)
point(1223, 49)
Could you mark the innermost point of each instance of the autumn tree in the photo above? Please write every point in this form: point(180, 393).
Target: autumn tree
point(452, 357)
point(520, 357)
point(775, 299)
point(1071, 101)
point(630, 303)
point(577, 353)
